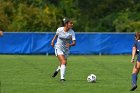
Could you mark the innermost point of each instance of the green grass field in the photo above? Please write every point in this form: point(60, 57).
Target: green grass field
point(32, 74)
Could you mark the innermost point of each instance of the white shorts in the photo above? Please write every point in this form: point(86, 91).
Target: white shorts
point(60, 52)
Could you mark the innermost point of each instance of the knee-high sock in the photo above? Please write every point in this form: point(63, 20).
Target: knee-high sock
point(134, 79)
point(58, 68)
point(62, 71)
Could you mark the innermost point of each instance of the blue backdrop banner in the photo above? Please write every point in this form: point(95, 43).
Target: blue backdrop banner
point(86, 43)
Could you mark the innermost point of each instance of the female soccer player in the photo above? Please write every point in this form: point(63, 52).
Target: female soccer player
point(136, 68)
point(65, 39)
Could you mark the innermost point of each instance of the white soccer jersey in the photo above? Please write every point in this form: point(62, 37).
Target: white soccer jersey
point(63, 38)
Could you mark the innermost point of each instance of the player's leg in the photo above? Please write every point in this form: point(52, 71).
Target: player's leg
point(56, 71)
point(63, 62)
point(57, 52)
point(135, 72)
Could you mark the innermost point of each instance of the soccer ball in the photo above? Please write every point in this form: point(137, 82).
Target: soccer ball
point(91, 78)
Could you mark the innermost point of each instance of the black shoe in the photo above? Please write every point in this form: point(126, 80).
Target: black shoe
point(55, 73)
point(133, 88)
point(62, 80)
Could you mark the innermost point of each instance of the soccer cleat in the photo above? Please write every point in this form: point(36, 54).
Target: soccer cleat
point(55, 73)
point(62, 80)
point(133, 88)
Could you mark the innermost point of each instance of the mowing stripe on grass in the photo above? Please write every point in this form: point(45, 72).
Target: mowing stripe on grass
point(29, 63)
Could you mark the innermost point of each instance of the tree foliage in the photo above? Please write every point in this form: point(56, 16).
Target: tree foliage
point(87, 15)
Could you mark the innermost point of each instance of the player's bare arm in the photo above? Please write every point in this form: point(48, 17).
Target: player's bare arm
point(52, 42)
point(71, 44)
point(133, 54)
point(1, 33)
